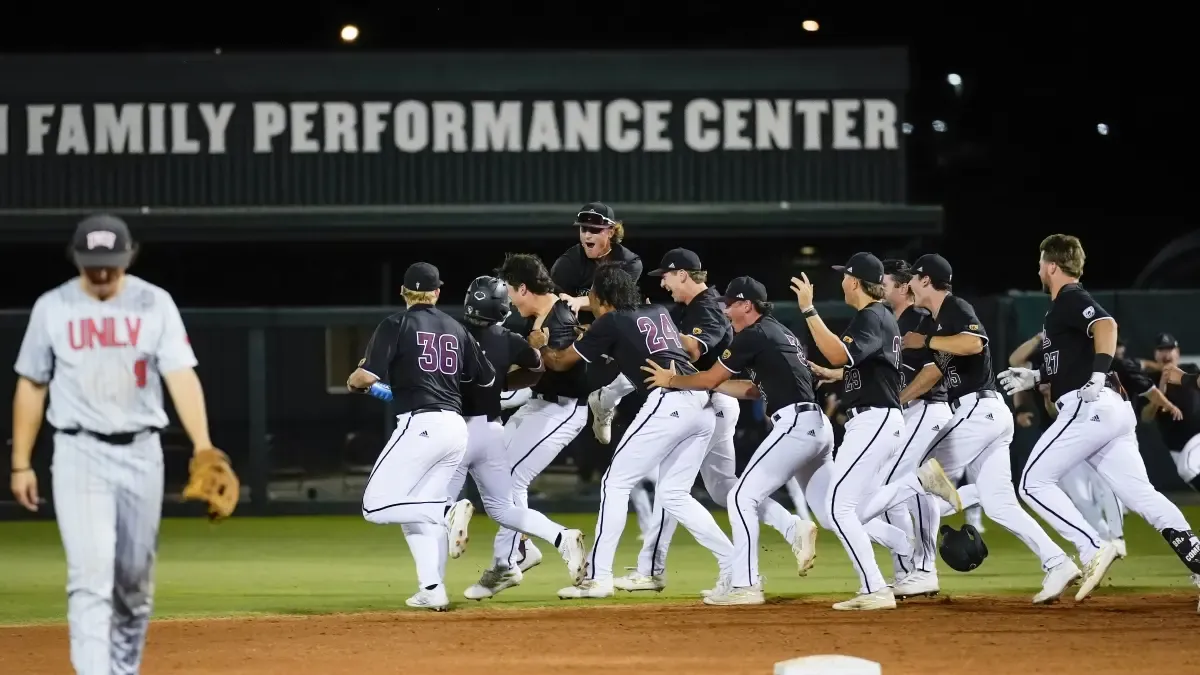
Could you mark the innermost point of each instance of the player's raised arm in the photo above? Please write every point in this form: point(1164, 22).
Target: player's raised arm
point(827, 342)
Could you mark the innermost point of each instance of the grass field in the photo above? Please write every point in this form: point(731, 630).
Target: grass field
point(313, 565)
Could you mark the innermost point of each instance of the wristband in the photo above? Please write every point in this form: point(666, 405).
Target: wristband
point(1190, 378)
point(1102, 363)
point(928, 340)
point(810, 312)
point(380, 391)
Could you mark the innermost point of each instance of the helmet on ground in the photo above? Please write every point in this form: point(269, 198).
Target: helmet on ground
point(487, 301)
point(962, 550)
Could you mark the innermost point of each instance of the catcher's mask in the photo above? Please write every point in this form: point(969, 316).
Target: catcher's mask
point(962, 550)
point(487, 301)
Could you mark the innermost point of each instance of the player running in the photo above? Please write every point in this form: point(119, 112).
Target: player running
point(1095, 424)
point(671, 432)
point(102, 345)
point(428, 359)
point(485, 308)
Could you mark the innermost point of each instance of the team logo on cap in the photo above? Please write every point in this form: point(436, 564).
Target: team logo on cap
point(101, 239)
point(697, 331)
point(847, 339)
point(725, 354)
point(671, 266)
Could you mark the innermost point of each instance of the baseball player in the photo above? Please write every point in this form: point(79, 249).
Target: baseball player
point(428, 359)
point(869, 352)
point(800, 442)
point(975, 442)
point(1095, 424)
point(705, 332)
point(1179, 423)
point(671, 431)
point(555, 414)
point(485, 308)
point(101, 345)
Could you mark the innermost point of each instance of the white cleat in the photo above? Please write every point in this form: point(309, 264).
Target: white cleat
point(458, 520)
point(1058, 579)
point(588, 588)
point(635, 581)
point(573, 553)
point(492, 582)
point(804, 544)
point(1119, 543)
point(531, 556)
point(601, 419)
point(1096, 570)
point(917, 584)
point(435, 599)
point(935, 482)
point(728, 595)
point(868, 601)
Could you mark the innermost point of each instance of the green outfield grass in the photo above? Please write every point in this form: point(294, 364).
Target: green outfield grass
point(314, 565)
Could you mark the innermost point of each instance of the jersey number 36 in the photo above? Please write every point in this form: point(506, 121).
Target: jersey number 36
point(439, 353)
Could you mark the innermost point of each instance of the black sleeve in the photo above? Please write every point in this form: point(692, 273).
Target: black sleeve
point(522, 354)
point(863, 337)
point(925, 327)
point(565, 274)
point(599, 339)
point(1082, 311)
point(958, 317)
point(708, 327)
point(478, 369)
point(634, 267)
point(383, 348)
point(562, 324)
point(742, 353)
point(1133, 377)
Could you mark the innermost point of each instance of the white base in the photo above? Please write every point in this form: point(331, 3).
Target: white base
point(828, 664)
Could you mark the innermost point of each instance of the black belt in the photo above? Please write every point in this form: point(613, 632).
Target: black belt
point(984, 393)
point(851, 413)
point(126, 438)
point(913, 403)
point(559, 400)
point(422, 411)
point(799, 408)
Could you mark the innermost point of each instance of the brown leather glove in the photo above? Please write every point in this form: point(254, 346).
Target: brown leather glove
point(211, 479)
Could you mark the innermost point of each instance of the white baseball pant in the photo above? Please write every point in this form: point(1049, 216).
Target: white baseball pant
point(1187, 462)
point(671, 431)
point(1094, 499)
point(487, 461)
point(407, 485)
point(1100, 433)
point(533, 437)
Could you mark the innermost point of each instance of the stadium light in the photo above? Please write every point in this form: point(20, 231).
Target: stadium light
point(811, 26)
point(939, 126)
point(349, 33)
point(954, 79)
point(1102, 129)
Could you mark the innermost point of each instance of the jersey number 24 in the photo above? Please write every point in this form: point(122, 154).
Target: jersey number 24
point(658, 333)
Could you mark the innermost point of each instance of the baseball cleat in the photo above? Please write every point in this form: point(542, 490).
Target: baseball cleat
point(935, 482)
point(492, 581)
point(601, 419)
point(1058, 579)
point(883, 599)
point(435, 599)
point(917, 584)
point(749, 595)
point(804, 544)
point(1119, 543)
point(573, 553)
point(458, 520)
point(635, 581)
point(588, 588)
point(1096, 570)
point(531, 556)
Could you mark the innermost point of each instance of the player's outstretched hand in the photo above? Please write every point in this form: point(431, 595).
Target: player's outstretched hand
point(1174, 411)
point(539, 338)
point(24, 489)
point(803, 289)
point(1173, 374)
point(659, 376)
point(1018, 379)
point(825, 374)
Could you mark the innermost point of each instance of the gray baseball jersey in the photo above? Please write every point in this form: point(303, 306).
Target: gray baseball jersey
point(104, 360)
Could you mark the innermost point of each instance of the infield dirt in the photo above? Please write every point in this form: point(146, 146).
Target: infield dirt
point(1124, 633)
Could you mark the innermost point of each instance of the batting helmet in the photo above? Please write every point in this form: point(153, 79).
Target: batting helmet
point(487, 301)
point(962, 550)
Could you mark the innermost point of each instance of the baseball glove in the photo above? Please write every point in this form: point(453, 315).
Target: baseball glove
point(211, 479)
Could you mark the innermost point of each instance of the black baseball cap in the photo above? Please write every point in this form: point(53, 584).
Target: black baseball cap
point(102, 241)
point(933, 266)
point(596, 215)
point(744, 288)
point(677, 259)
point(422, 277)
point(1165, 341)
point(864, 267)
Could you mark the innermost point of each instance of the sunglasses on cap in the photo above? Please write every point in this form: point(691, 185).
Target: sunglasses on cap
point(592, 222)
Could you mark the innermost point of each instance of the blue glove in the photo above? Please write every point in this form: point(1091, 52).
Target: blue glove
point(380, 391)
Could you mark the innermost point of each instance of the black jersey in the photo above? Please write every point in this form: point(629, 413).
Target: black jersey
point(963, 375)
point(1175, 435)
point(630, 336)
point(503, 349)
point(573, 271)
point(703, 320)
point(1067, 349)
point(912, 361)
point(572, 383)
point(1131, 375)
point(871, 378)
point(424, 354)
point(777, 360)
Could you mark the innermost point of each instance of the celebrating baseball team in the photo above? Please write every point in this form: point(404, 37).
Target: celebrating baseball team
point(918, 392)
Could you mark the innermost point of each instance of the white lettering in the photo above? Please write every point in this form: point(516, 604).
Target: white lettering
point(216, 120)
point(158, 128)
point(301, 113)
point(72, 131)
point(735, 112)
point(697, 113)
point(773, 124)
point(374, 124)
point(38, 127)
point(181, 141)
point(617, 136)
point(880, 116)
point(449, 127)
point(496, 128)
point(843, 124)
point(270, 120)
point(340, 122)
point(118, 132)
point(543, 128)
point(654, 126)
point(3, 129)
point(582, 127)
point(811, 112)
point(410, 128)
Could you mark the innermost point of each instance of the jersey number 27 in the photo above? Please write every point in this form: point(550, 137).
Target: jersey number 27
point(658, 334)
point(439, 352)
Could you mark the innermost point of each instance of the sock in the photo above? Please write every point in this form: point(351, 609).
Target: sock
point(1186, 545)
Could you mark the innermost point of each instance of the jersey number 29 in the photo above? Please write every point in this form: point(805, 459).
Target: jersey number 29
point(439, 353)
point(658, 334)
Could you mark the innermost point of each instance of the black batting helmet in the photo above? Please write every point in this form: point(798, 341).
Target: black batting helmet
point(962, 550)
point(487, 301)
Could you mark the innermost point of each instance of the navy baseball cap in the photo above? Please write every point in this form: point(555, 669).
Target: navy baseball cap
point(933, 266)
point(596, 215)
point(422, 277)
point(864, 267)
point(102, 241)
point(744, 288)
point(677, 259)
point(1165, 341)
